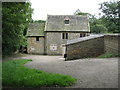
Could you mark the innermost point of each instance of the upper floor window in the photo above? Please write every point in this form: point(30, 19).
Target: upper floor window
point(64, 35)
point(66, 21)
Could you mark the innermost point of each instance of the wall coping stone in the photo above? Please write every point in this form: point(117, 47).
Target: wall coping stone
point(83, 39)
point(92, 36)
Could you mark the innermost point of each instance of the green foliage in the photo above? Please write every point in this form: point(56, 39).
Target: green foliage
point(15, 19)
point(111, 17)
point(16, 75)
point(109, 55)
point(39, 21)
point(78, 12)
point(97, 26)
point(109, 22)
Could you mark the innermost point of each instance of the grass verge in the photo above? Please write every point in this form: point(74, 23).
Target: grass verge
point(108, 55)
point(14, 74)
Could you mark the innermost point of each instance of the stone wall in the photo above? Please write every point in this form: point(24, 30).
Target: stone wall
point(54, 41)
point(88, 47)
point(35, 47)
point(111, 44)
point(93, 46)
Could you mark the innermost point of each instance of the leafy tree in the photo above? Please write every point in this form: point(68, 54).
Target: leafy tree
point(111, 17)
point(96, 25)
point(15, 19)
point(78, 12)
point(39, 21)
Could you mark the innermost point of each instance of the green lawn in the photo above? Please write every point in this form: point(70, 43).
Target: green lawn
point(14, 74)
point(108, 55)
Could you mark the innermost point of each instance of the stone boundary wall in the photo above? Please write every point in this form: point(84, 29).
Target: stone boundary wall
point(111, 43)
point(92, 46)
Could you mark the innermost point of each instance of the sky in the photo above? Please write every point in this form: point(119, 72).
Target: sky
point(63, 7)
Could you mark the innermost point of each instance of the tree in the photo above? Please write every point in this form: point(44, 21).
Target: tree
point(78, 12)
point(39, 21)
point(111, 17)
point(15, 19)
point(96, 25)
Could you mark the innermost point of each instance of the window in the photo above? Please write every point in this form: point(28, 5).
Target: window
point(80, 35)
point(37, 38)
point(66, 21)
point(84, 35)
point(64, 35)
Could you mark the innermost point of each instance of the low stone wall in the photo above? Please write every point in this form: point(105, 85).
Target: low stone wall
point(92, 46)
point(111, 43)
point(85, 47)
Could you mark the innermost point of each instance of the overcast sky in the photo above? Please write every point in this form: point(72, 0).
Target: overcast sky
point(63, 7)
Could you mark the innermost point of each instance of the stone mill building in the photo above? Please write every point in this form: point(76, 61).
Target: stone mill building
point(51, 37)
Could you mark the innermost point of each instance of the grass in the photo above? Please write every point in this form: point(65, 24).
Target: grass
point(16, 75)
point(108, 55)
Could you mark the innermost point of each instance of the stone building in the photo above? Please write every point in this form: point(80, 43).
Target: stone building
point(35, 38)
point(58, 29)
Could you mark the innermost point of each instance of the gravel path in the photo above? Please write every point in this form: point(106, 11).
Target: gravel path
point(90, 73)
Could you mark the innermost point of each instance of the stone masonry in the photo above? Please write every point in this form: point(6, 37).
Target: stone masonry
point(92, 46)
point(112, 43)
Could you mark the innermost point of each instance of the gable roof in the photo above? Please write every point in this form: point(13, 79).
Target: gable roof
point(36, 29)
point(76, 23)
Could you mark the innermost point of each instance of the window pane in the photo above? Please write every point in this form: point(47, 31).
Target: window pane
point(84, 35)
point(63, 36)
point(66, 21)
point(66, 35)
point(37, 38)
point(80, 34)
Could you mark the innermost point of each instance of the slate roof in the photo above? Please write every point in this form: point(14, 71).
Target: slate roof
point(76, 23)
point(36, 29)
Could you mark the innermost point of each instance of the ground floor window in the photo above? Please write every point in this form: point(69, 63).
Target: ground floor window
point(64, 35)
point(82, 35)
point(37, 38)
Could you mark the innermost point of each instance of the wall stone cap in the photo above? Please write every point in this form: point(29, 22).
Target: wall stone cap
point(92, 36)
point(83, 39)
point(115, 34)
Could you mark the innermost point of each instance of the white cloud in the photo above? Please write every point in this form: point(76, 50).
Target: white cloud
point(63, 7)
